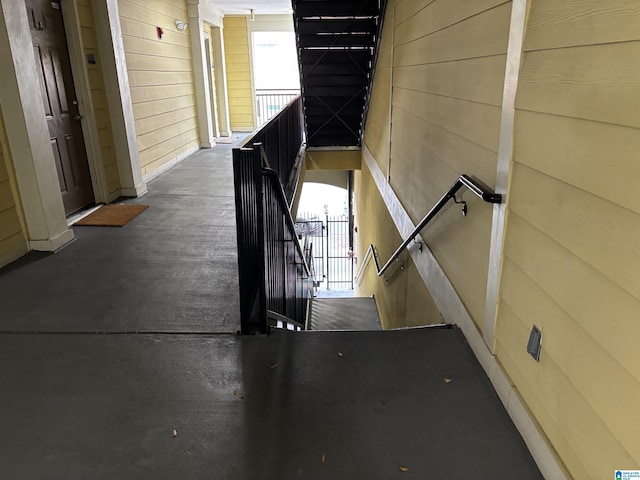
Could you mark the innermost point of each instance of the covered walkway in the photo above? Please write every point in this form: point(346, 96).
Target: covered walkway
point(128, 334)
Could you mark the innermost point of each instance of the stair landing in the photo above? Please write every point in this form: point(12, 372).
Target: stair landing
point(310, 405)
point(351, 313)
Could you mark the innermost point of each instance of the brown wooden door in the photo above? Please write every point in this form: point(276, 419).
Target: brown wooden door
point(60, 105)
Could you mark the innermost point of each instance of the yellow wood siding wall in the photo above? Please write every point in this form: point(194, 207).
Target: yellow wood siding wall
point(161, 79)
point(448, 74)
point(402, 301)
point(571, 260)
point(238, 61)
point(98, 95)
point(376, 132)
point(12, 232)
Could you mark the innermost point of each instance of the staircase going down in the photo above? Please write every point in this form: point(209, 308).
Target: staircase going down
point(337, 46)
point(353, 313)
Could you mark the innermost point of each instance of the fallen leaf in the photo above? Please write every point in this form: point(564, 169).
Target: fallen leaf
point(238, 394)
point(404, 469)
point(275, 365)
point(324, 458)
point(340, 354)
point(175, 432)
point(447, 380)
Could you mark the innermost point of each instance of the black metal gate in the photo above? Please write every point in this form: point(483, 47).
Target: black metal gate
point(331, 251)
point(339, 272)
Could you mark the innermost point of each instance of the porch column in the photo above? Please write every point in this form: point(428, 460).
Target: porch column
point(28, 133)
point(220, 72)
point(201, 76)
point(116, 79)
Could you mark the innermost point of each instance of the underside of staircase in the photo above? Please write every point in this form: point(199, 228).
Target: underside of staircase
point(337, 46)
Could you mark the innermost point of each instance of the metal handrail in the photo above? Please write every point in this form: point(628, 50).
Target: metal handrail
point(275, 317)
point(474, 185)
point(269, 172)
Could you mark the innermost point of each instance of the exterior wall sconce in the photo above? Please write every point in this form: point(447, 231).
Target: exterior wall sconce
point(181, 25)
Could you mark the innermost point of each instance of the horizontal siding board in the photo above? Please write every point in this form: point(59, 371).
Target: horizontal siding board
point(599, 158)
point(155, 78)
point(406, 9)
point(535, 306)
point(570, 23)
point(478, 80)
point(583, 292)
point(102, 118)
point(171, 9)
point(154, 48)
point(238, 64)
point(479, 123)
point(161, 92)
point(4, 174)
point(591, 368)
point(170, 145)
point(559, 407)
point(149, 124)
point(592, 371)
point(598, 82)
point(462, 155)
point(136, 61)
point(6, 195)
point(600, 233)
point(152, 12)
point(170, 155)
point(14, 241)
point(163, 105)
point(134, 28)
point(480, 36)
point(88, 38)
point(440, 15)
point(9, 223)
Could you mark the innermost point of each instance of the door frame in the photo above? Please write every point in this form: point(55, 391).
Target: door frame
point(80, 73)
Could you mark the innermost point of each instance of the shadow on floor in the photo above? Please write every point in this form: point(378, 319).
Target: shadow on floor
point(75, 405)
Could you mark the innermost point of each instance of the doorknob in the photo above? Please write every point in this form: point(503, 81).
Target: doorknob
point(78, 117)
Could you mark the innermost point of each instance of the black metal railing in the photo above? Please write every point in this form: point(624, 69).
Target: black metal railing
point(270, 102)
point(281, 139)
point(474, 185)
point(275, 279)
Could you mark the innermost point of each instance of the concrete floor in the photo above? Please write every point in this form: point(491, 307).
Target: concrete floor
point(76, 404)
point(172, 268)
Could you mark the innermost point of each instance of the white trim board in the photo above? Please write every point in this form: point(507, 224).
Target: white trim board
point(505, 149)
point(453, 311)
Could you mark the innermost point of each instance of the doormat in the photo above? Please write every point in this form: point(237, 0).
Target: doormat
point(226, 140)
point(115, 215)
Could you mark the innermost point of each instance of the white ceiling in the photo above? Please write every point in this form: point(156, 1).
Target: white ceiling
point(260, 7)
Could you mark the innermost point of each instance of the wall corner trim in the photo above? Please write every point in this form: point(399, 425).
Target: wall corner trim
point(116, 77)
point(505, 150)
point(453, 311)
point(53, 244)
